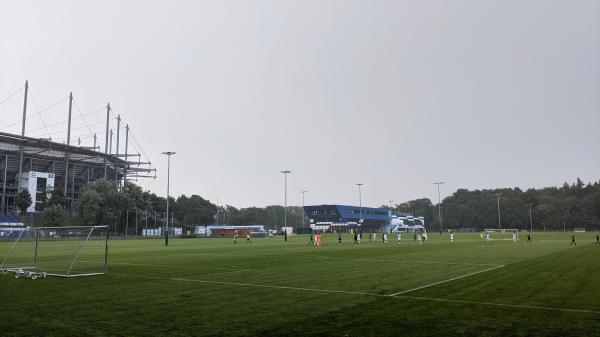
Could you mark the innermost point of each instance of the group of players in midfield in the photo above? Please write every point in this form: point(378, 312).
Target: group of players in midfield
point(317, 239)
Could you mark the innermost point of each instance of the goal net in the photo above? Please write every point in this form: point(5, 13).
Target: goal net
point(507, 234)
point(56, 251)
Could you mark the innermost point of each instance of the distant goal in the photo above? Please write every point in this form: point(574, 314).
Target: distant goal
point(57, 251)
point(504, 234)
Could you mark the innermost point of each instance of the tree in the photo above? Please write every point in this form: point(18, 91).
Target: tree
point(194, 210)
point(55, 215)
point(23, 201)
point(100, 203)
point(57, 197)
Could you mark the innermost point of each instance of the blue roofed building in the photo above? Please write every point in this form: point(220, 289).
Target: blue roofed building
point(343, 218)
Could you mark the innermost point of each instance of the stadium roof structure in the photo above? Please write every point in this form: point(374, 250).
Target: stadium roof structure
point(43, 164)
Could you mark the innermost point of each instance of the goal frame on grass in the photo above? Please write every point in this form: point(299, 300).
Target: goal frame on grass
point(510, 231)
point(33, 270)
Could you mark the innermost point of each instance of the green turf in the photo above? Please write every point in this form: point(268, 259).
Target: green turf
point(271, 288)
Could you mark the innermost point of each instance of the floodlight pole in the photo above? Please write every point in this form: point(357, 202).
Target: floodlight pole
point(22, 134)
point(106, 141)
point(360, 203)
point(530, 219)
point(285, 173)
point(303, 215)
point(499, 222)
point(217, 215)
point(168, 154)
point(67, 151)
point(440, 204)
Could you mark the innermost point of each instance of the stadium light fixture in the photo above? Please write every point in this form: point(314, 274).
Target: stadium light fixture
point(498, 195)
point(217, 213)
point(440, 204)
point(530, 218)
point(168, 154)
point(360, 220)
point(285, 173)
point(303, 214)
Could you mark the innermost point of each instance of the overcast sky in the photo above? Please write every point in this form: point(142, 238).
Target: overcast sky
point(392, 94)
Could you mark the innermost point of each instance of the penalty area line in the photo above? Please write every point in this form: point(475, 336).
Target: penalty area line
point(506, 305)
point(239, 284)
point(445, 281)
point(181, 279)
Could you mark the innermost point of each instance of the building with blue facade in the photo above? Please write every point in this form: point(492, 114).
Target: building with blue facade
point(343, 218)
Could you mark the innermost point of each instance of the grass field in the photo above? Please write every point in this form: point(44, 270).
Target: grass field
point(271, 288)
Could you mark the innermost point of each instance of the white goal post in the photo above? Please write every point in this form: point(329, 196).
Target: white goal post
point(69, 251)
point(502, 234)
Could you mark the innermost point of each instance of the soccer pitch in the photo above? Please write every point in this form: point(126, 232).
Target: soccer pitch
point(273, 288)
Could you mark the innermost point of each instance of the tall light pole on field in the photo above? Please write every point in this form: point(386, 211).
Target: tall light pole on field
point(168, 154)
point(360, 203)
point(499, 222)
point(303, 214)
point(285, 173)
point(440, 204)
point(530, 218)
point(217, 214)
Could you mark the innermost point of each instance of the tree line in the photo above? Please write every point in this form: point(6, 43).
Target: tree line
point(104, 203)
point(570, 206)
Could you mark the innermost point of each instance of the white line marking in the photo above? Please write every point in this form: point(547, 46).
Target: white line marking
point(219, 273)
point(173, 266)
point(252, 285)
point(444, 281)
point(178, 279)
point(403, 261)
point(521, 306)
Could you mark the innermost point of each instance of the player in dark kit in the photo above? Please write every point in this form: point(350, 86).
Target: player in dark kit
point(598, 239)
point(529, 238)
point(573, 243)
point(339, 239)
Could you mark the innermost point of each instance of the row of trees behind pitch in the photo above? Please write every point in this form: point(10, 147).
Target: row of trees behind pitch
point(553, 208)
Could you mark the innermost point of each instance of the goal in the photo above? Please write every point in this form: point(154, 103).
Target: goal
point(506, 234)
point(57, 251)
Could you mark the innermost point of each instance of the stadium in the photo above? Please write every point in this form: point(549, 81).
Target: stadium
point(343, 218)
point(43, 164)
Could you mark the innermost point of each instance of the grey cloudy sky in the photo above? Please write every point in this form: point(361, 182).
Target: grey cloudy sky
point(392, 94)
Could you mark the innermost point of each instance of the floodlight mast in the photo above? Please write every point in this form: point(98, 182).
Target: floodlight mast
point(285, 173)
point(303, 215)
point(168, 154)
point(360, 220)
point(530, 218)
point(499, 222)
point(440, 204)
